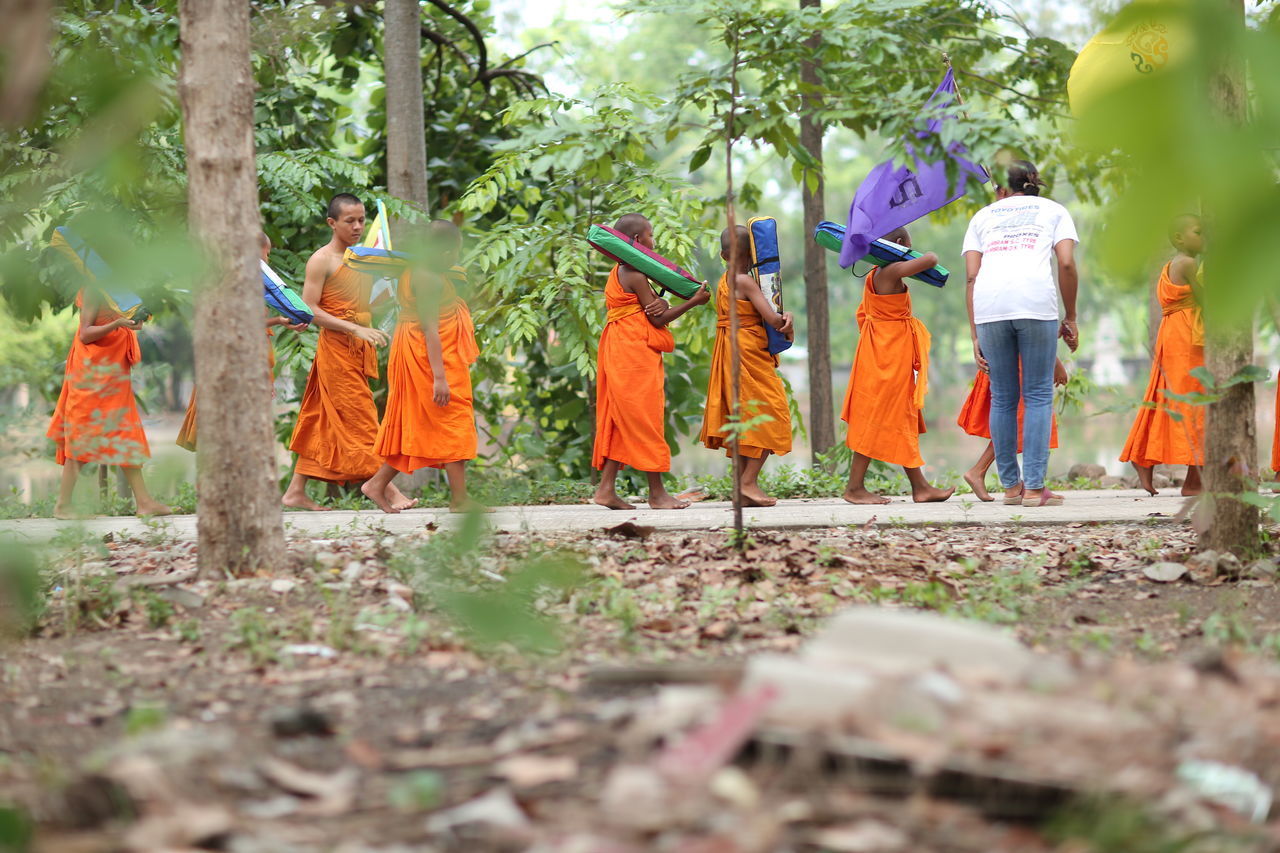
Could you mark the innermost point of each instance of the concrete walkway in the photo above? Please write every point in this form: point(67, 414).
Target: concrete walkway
point(1109, 506)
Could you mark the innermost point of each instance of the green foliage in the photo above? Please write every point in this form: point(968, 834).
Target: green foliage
point(16, 830)
point(22, 590)
point(828, 478)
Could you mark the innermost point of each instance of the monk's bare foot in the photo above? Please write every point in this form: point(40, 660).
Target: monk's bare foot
point(148, 509)
point(931, 495)
point(1146, 478)
point(469, 506)
point(399, 499)
point(295, 500)
point(68, 514)
point(862, 496)
point(609, 498)
point(753, 496)
point(378, 496)
point(1190, 491)
point(665, 501)
point(979, 486)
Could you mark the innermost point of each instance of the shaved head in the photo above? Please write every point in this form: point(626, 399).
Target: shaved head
point(744, 243)
point(899, 236)
point(263, 240)
point(339, 201)
point(1181, 224)
point(632, 225)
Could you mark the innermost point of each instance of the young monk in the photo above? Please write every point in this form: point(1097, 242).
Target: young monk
point(430, 419)
point(975, 419)
point(884, 404)
point(630, 401)
point(761, 386)
point(187, 435)
point(338, 421)
point(96, 419)
point(1157, 437)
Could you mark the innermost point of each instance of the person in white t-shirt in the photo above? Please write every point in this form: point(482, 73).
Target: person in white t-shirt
point(1014, 317)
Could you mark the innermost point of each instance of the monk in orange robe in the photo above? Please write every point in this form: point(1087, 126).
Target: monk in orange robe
point(630, 399)
point(761, 390)
point(96, 419)
point(884, 404)
point(187, 434)
point(1157, 437)
point(1275, 439)
point(337, 420)
point(975, 419)
point(430, 417)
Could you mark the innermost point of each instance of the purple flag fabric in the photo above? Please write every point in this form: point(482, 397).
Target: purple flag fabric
point(889, 197)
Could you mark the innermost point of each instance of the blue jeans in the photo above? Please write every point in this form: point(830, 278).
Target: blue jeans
point(1033, 344)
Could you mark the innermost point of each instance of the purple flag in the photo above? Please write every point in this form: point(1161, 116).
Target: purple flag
point(889, 198)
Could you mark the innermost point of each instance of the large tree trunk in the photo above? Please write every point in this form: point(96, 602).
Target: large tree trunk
point(1231, 442)
point(406, 126)
point(822, 430)
point(240, 527)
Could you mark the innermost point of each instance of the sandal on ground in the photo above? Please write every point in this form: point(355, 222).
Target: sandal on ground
point(1016, 500)
point(1047, 498)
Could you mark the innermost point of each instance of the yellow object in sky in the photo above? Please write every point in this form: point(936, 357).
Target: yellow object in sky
point(1145, 38)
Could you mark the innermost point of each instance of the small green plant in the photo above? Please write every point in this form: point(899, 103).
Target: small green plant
point(419, 791)
point(255, 635)
point(144, 718)
point(188, 630)
point(158, 611)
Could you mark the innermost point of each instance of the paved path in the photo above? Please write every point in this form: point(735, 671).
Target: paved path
point(1085, 506)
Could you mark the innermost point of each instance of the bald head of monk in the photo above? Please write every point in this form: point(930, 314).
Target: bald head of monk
point(744, 244)
point(1186, 234)
point(637, 227)
point(899, 236)
point(346, 218)
point(444, 244)
point(264, 244)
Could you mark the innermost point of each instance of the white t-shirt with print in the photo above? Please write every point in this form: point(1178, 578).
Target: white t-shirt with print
point(1016, 237)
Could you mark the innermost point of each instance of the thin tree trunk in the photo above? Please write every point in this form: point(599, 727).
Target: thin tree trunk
point(406, 125)
point(822, 430)
point(735, 354)
point(239, 525)
point(1231, 441)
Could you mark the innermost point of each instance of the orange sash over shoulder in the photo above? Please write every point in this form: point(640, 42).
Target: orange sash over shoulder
point(884, 403)
point(415, 432)
point(762, 392)
point(96, 419)
point(630, 398)
point(975, 414)
point(337, 420)
point(1156, 438)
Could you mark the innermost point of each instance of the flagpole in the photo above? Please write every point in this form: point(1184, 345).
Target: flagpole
point(946, 60)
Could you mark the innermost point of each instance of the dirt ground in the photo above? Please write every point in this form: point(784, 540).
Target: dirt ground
point(359, 699)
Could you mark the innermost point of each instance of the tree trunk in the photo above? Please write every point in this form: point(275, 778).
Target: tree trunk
point(239, 526)
point(1231, 442)
point(822, 429)
point(406, 125)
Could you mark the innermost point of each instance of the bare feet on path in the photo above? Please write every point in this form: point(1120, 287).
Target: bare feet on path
point(755, 496)
point(609, 498)
point(1146, 479)
point(862, 496)
point(1190, 491)
point(979, 486)
point(294, 500)
point(149, 509)
point(469, 506)
point(665, 501)
point(399, 500)
point(381, 496)
point(69, 514)
point(931, 495)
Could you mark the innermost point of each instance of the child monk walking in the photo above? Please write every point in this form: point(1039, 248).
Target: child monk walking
point(96, 419)
point(1157, 437)
point(187, 434)
point(630, 400)
point(338, 421)
point(884, 404)
point(761, 392)
point(975, 419)
point(430, 419)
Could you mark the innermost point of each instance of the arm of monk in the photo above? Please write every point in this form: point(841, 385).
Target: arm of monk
point(89, 308)
point(427, 299)
point(892, 277)
point(637, 282)
point(313, 288)
point(748, 288)
point(973, 263)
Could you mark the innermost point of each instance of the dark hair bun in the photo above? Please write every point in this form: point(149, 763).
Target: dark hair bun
point(1024, 177)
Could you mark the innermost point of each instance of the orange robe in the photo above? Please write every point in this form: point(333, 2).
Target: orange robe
point(96, 419)
point(187, 434)
point(630, 400)
point(1156, 438)
point(884, 404)
point(416, 433)
point(975, 414)
point(760, 384)
point(337, 420)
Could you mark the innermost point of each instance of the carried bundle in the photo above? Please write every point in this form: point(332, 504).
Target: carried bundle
point(624, 250)
point(766, 266)
point(881, 253)
point(91, 265)
point(283, 299)
point(374, 256)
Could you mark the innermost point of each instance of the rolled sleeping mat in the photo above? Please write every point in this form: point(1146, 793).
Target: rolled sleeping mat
point(282, 299)
point(829, 235)
point(90, 264)
point(766, 265)
point(624, 250)
point(379, 263)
